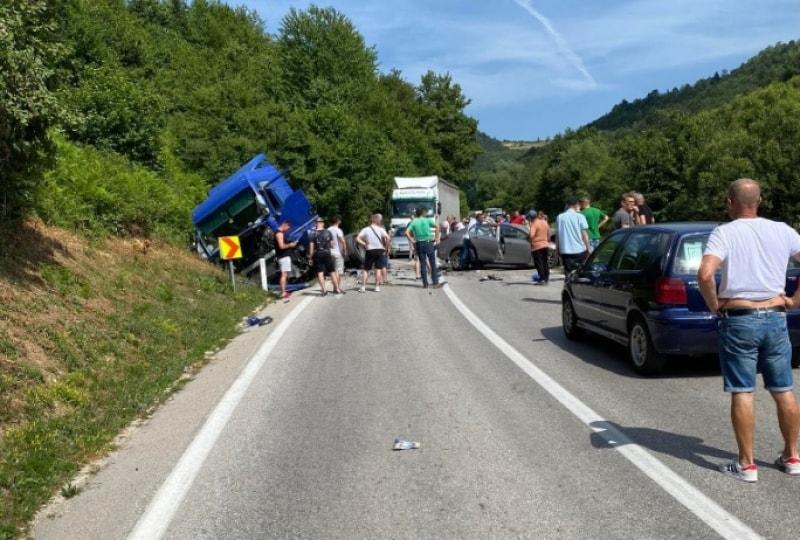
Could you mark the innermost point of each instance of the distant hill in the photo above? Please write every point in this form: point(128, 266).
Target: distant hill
point(777, 63)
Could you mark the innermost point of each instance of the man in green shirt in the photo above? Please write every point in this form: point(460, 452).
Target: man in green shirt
point(596, 218)
point(425, 235)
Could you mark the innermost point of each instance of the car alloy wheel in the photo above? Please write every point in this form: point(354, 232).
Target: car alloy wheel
point(455, 259)
point(643, 355)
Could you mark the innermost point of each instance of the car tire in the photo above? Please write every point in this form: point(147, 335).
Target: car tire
point(569, 320)
point(643, 355)
point(455, 259)
point(796, 357)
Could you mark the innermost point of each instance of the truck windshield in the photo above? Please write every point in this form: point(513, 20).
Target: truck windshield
point(408, 208)
point(229, 220)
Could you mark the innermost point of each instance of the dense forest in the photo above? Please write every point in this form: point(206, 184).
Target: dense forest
point(681, 149)
point(116, 115)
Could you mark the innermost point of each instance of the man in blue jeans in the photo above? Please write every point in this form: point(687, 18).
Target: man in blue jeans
point(424, 233)
point(573, 237)
point(752, 254)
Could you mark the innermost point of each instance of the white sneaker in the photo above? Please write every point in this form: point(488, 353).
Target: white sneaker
point(377, 289)
point(789, 465)
point(735, 469)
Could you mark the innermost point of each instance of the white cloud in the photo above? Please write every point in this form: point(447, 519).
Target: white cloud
point(561, 43)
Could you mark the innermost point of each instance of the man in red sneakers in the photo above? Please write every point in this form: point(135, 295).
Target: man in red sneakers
point(752, 254)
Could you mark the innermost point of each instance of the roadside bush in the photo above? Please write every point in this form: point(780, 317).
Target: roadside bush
point(101, 192)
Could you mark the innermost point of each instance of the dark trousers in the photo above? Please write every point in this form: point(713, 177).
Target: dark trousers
point(540, 261)
point(466, 253)
point(426, 252)
point(572, 261)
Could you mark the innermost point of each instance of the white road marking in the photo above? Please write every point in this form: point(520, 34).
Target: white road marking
point(159, 513)
point(716, 517)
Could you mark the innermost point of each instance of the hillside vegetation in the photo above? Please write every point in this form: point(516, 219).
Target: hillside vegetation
point(778, 63)
point(92, 333)
point(680, 149)
point(191, 91)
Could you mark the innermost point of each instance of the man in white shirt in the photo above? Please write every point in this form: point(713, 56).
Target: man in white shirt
point(752, 254)
point(465, 257)
point(339, 247)
point(375, 241)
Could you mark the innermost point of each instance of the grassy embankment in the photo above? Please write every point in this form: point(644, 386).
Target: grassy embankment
point(94, 330)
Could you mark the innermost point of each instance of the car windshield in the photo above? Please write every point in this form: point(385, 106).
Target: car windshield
point(400, 232)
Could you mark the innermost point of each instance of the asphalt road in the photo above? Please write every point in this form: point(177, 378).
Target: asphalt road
point(306, 451)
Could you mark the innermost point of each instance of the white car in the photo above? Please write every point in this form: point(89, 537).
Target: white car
point(401, 247)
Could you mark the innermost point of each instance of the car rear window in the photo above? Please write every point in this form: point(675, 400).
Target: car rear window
point(689, 254)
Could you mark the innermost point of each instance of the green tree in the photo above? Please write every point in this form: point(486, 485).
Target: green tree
point(324, 59)
point(452, 133)
point(31, 49)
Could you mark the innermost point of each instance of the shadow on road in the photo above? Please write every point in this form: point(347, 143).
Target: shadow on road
point(686, 447)
point(611, 356)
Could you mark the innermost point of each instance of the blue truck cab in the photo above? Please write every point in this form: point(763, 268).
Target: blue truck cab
point(251, 204)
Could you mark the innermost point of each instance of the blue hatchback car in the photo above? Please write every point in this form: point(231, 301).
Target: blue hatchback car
point(639, 288)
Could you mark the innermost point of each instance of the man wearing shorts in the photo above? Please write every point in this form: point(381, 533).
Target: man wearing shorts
point(283, 252)
point(339, 247)
point(319, 249)
point(752, 254)
point(375, 241)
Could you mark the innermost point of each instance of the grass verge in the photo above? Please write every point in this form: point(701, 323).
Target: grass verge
point(92, 334)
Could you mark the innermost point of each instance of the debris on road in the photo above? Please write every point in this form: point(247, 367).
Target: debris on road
point(252, 320)
point(402, 444)
point(490, 277)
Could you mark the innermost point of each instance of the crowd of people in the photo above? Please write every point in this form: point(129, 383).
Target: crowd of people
point(579, 225)
point(579, 233)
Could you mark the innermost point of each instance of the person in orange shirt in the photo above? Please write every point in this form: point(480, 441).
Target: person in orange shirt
point(540, 239)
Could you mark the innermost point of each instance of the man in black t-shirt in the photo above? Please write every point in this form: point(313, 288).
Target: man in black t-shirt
point(646, 216)
point(322, 258)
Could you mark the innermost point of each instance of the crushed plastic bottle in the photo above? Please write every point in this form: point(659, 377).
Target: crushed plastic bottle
point(402, 444)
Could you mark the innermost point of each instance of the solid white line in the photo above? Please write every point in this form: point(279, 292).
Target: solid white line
point(159, 513)
point(716, 517)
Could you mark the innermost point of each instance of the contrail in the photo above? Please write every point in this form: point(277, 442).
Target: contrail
point(563, 48)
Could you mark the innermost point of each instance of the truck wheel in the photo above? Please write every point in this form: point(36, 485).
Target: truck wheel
point(646, 360)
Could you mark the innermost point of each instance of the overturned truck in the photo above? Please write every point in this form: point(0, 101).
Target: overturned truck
point(251, 204)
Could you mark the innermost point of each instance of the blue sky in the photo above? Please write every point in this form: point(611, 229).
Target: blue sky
point(533, 68)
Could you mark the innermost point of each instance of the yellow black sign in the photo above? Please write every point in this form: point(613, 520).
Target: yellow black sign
point(230, 247)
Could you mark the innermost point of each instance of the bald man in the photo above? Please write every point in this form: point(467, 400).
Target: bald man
point(752, 254)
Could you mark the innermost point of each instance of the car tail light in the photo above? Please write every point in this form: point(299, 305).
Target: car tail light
point(671, 291)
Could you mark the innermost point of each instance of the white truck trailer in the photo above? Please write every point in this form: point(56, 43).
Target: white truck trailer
point(439, 199)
